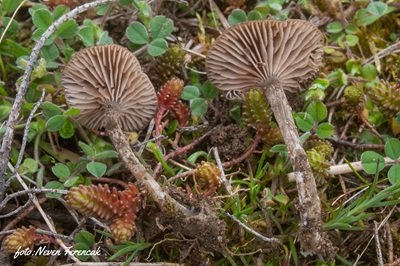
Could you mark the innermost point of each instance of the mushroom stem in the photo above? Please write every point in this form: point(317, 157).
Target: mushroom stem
point(310, 205)
point(165, 202)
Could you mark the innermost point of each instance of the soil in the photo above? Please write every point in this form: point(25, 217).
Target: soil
point(231, 141)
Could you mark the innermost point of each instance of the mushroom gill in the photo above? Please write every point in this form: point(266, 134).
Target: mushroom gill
point(108, 80)
point(256, 53)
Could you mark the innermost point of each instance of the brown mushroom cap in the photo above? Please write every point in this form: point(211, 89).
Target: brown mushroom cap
point(254, 53)
point(109, 79)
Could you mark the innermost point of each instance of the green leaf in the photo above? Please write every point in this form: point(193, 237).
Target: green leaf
point(236, 17)
point(352, 40)
point(67, 30)
point(67, 130)
point(394, 174)
point(137, 33)
point(10, 5)
point(72, 112)
point(282, 198)
point(61, 171)
point(157, 47)
point(42, 19)
point(199, 106)
point(54, 185)
point(279, 148)
point(368, 71)
point(235, 112)
point(29, 165)
point(4, 111)
point(50, 109)
point(334, 27)
point(320, 84)
point(190, 92)
point(324, 130)
point(161, 27)
point(351, 29)
point(55, 123)
point(318, 111)
point(378, 8)
point(89, 151)
point(84, 237)
point(353, 67)
point(255, 15)
point(13, 28)
point(72, 181)
point(87, 36)
point(50, 52)
point(105, 155)
point(81, 246)
point(39, 32)
point(304, 121)
point(59, 11)
point(97, 169)
point(209, 91)
point(372, 162)
point(105, 39)
point(392, 148)
point(160, 157)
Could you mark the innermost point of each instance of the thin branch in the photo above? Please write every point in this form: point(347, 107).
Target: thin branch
point(28, 191)
point(354, 166)
point(252, 231)
point(378, 245)
point(225, 181)
point(394, 48)
point(17, 210)
point(26, 131)
point(16, 108)
point(362, 147)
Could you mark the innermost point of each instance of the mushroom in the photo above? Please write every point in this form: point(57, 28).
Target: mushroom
point(107, 84)
point(276, 56)
point(108, 81)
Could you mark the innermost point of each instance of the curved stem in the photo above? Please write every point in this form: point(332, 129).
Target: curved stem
point(166, 203)
point(309, 202)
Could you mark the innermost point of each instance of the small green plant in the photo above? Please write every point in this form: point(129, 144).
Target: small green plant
point(373, 163)
point(154, 36)
point(84, 241)
point(374, 11)
point(341, 34)
point(58, 120)
point(199, 97)
point(261, 11)
point(310, 120)
point(128, 248)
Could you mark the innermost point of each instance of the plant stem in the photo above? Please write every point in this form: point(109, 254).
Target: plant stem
point(166, 203)
point(309, 202)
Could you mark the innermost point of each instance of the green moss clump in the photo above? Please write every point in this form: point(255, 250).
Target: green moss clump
point(258, 115)
point(170, 64)
point(386, 96)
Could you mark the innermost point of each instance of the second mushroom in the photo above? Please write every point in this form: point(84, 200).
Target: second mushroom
point(278, 57)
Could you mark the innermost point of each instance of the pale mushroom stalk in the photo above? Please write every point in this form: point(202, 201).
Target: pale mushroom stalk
point(121, 144)
point(277, 56)
point(310, 207)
